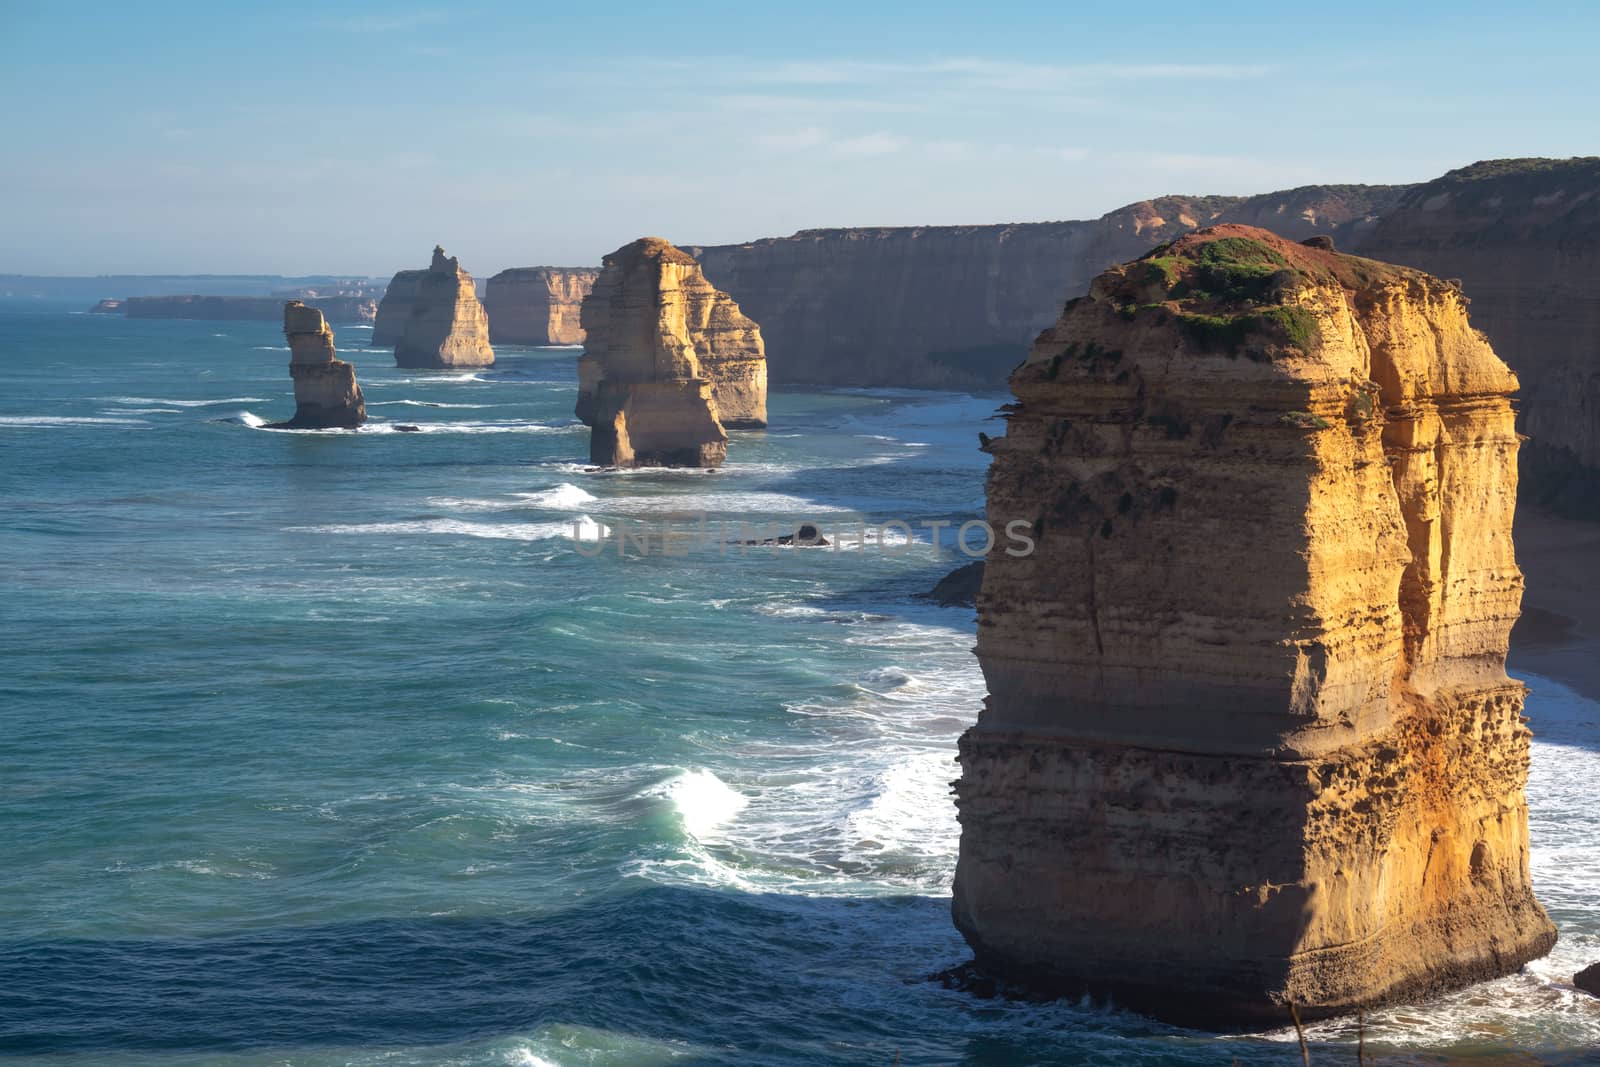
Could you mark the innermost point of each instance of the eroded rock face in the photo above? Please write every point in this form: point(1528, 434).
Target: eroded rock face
point(669, 362)
point(325, 390)
point(538, 305)
point(446, 326)
point(953, 306)
point(1249, 738)
point(1523, 236)
point(394, 309)
point(695, 316)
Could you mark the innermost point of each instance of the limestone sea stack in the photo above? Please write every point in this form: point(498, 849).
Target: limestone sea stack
point(447, 326)
point(693, 315)
point(325, 391)
point(644, 386)
point(395, 308)
point(1249, 740)
point(537, 305)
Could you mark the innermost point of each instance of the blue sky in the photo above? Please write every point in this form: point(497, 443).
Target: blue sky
point(300, 138)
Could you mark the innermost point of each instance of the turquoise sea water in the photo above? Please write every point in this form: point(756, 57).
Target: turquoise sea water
point(333, 748)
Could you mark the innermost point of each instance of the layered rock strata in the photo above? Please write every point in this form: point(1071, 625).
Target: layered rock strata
point(665, 353)
point(953, 306)
point(725, 343)
point(1523, 237)
point(325, 391)
point(1249, 741)
point(537, 305)
point(394, 309)
point(446, 326)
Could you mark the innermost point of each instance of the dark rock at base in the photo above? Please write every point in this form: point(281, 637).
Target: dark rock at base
point(807, 536)
point(959, 588)
point(408, 429)
point(1588, 979)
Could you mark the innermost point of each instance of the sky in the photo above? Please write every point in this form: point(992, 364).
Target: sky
point(297, 138)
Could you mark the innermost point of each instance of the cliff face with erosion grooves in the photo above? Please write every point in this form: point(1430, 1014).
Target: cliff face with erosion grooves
point(537, 305)
point(1249, 738)
point(644, 387)
point(1523, 235)
point(955, 306)
point(447, 326)
point(395, 308)
point(325, 390)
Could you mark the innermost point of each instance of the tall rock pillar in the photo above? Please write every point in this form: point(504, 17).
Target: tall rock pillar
point(1249, 740)
point(325, 391)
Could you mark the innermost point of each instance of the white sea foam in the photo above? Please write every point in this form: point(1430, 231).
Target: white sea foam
point(565, 495)
point(426, 404)
point(582, 528)
point(141, 411)
point(702, 800)
point(887, 678)
point(245, 418)
point(67, 420)
point(168, 403)
point(862, 806)
point(910, 808)
point(780, 509)
point(498, 427)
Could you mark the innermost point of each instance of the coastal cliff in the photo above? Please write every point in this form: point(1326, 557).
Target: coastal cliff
point(1249, 741)
point(537, 305)
point(1523, 237)
point(237, 308)
point(644, 388)
point(325, 390)
point(955, 306)
point(394, 309)
point(446, 325)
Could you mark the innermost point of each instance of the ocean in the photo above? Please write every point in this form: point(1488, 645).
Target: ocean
point(347, 748)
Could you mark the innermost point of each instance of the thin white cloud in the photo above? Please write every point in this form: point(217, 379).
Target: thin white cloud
point(869, 145)
point(790, 104)
point(793, 140)
point(971, 73)
point(394, 22)
point(950, 151)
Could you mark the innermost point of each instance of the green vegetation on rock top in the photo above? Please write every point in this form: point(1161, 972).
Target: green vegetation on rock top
point(1226, 291)
point(1486, 169)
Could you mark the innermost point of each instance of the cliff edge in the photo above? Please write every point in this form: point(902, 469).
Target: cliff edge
point(1523, 237)
point(537, 305)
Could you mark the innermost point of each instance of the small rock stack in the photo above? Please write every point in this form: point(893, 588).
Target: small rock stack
point(446, 325)
point(325, 391)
